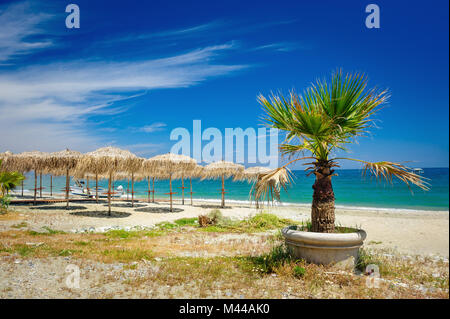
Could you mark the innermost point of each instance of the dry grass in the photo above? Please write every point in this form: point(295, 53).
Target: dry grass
point(10, 215)
point(176, 260)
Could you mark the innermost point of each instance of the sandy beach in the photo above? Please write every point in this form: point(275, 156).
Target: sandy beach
point(405, 231)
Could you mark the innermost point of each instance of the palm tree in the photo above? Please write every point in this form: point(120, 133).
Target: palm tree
point(322, 120)
point(8, 181)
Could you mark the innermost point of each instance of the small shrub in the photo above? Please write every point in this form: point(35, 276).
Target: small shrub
point(186, 221)
point(298, 271)
point(204, 221)
point(267, 263)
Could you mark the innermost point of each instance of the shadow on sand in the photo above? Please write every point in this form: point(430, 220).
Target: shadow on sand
point(159, 210)
point(101, 214)
point(59, 207)
point(126, 205)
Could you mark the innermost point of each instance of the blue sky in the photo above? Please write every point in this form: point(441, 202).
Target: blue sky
point(135, 70)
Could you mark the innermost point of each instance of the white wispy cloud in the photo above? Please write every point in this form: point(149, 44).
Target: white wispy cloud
point(280, 46)
point(155, 127)
point(57, 99)
point(51, 106)
point(18, 24)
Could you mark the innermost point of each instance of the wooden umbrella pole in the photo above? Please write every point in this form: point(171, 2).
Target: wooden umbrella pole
point(182, 189)
point(67, 188)
point(132, 189)
point(190, 182)
point(109, 194)
point(223, 192)
point(22, 187)
point(128, 189)
point(96, 187)
point(87, 186)
point(51, 185)
point(35, 187)
point(170, 182)
point(153, 189)
point(148, 182)
point(40, 185)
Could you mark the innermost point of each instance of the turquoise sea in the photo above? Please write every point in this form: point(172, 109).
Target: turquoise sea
point(350, 187)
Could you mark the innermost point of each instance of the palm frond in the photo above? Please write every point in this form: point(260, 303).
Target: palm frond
point(269, 185)
point(386, 170)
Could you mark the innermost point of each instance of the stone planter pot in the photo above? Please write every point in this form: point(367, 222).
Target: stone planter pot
point(340, 249)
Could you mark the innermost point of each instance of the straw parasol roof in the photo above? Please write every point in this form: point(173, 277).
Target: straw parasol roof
point(251, 174)
point(7, 161)
point(27, 161)
point(61, 161)
point(221, 169)
point(171, 164)
point(195, 172)
point(108, 160)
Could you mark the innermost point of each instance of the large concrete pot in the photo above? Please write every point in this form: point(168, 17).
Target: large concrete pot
point(340, 249)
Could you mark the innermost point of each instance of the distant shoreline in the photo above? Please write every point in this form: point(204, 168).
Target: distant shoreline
point(282, 204)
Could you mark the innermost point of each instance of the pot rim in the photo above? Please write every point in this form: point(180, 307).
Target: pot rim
point(324, 239)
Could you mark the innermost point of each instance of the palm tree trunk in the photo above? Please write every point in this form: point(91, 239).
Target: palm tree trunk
point(322, 211)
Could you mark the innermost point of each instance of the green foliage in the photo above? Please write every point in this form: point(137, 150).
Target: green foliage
point(186, 221)
point(4, 202)
point(306, 225)
point(49, 231)
point(269, 262)
point(326, 116)
point(365, 258)
point(8, 181)
point(259, 223)
point(298, 271)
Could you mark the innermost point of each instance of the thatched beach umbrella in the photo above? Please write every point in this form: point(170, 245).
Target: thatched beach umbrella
point(108, 160)
point(171, 164)
point(7, 161)
point(133, 170)
point(65, 162)
point(34, 160)
point(221, 169)
point(150, 171)
point(195, 172)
